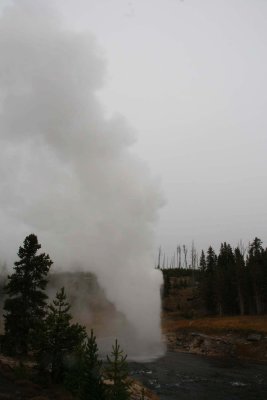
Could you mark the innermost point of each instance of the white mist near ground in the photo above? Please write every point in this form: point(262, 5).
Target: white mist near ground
point(67, 172)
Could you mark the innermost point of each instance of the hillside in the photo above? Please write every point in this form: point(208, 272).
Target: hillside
point(89, 304)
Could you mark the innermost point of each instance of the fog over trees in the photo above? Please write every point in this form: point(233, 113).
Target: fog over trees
point(45, 333)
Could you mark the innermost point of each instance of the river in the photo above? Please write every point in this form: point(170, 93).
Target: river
point(187, 376)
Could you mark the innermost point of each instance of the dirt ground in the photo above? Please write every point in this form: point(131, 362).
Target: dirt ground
point(13, 387)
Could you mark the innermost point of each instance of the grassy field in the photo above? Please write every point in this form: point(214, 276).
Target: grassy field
point(239, 324)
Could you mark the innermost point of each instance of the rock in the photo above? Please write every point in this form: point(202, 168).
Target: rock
point(254, 337)
point(238, 384)
point(195, 334)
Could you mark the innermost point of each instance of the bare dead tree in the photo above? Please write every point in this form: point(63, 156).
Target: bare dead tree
point(242, 247)
point(197, 257)
point(174, 260)
point(185, 255)
point(179, 260)
point(159, 258)
point(193, 261)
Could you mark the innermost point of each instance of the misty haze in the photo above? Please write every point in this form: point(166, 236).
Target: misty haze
point(133, 259)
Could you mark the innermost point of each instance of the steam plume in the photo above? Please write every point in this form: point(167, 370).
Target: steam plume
point(66, 170)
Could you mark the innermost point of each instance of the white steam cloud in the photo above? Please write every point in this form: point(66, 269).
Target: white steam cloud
point(66, 170)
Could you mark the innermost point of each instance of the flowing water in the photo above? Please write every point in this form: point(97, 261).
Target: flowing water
point(187, 376)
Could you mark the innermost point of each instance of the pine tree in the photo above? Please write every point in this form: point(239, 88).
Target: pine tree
point(117, 373)
point(209, 296)
point(256, 263)
point(92, 387)
point(25, 305)
point(60, 338)
point(142, 394)
point(240, 271)
point(202, 262)
point(226, 281)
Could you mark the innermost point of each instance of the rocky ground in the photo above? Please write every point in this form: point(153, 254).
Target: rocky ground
point(251, 346)
point(13, 386)
point(188, 329)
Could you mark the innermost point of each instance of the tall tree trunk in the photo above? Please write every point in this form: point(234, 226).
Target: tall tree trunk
point(241, 301)
point(257, 300)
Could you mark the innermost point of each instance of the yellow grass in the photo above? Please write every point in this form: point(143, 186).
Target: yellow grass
point(208, 324)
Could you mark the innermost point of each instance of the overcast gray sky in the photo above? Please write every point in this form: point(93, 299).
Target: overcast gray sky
point(189, 81)
point(190, 77)
point(68, 172)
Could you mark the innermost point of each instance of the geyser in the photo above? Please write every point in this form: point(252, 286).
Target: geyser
point(67, 171)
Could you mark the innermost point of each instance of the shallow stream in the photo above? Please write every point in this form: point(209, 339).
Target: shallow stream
point(187, 376)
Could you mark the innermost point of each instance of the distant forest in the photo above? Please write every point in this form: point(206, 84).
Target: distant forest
point(233, 282)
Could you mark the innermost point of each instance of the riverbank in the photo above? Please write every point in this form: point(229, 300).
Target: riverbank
point(241, 337)
point(18, 382)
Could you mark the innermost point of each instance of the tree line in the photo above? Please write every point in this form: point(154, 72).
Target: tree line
point(232, 282)
point(43, 331)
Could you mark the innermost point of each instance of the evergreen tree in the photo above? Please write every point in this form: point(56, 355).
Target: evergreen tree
point(84, 377)
point(60, 338)
point(25, 305)
point(226, 285)
point(92, 387)
point(257, 266)
point(142, 394)
point(117, 373)
point(202, 262)
point(73, 375)
point(209, 281)
point(241, 281)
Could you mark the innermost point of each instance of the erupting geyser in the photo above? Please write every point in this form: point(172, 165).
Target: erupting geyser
point(67, 171)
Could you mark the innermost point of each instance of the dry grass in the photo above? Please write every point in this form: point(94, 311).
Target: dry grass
point(217, 324)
